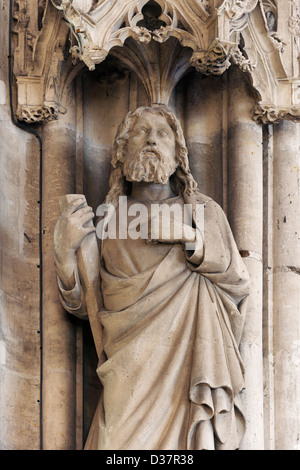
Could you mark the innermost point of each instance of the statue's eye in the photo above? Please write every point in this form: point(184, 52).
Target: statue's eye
point(141, 131)
point(163, 133)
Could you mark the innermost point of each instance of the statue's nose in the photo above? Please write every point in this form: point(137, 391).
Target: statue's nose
point(151, 139)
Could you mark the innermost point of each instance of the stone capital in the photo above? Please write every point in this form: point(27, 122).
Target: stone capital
point(268, 114)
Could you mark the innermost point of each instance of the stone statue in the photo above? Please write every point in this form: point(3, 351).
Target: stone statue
point(172, 306)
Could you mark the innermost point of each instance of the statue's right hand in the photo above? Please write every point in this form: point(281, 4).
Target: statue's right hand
point(71, 228)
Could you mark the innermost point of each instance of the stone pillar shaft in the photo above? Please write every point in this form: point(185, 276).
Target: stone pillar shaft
point(59, 331)
point(245, 207)
point(286, 285)
point(203, 124)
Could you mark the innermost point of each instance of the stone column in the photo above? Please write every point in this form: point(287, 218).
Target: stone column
point(268, 333)
point(245, 213)
point(58, 329)
point(286, 285)
point(203, 131)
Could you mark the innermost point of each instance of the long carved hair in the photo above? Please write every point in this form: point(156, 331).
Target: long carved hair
point(182, 181)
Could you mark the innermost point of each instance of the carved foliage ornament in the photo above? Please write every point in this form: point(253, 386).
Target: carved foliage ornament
point(32, 114)
point(215, 60)
point(266, 114)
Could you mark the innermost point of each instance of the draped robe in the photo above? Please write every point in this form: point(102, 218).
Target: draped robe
point(172, 324)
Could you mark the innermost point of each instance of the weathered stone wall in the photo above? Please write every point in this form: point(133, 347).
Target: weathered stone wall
point(19, 277)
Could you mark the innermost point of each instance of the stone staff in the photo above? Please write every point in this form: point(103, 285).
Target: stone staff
point(88, 262)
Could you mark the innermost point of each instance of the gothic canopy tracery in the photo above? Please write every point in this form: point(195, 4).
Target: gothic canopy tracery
point(205, 26)
point(260, 36)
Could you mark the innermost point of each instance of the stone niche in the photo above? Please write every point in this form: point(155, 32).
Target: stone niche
point(224, 68)
point(201, 103)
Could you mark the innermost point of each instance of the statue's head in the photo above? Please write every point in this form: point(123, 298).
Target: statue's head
point(150, 146)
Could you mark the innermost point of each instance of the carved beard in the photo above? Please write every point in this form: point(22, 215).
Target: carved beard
point(148, 166)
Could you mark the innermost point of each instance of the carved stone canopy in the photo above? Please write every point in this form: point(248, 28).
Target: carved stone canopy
point(160, 40)
point(206, 27)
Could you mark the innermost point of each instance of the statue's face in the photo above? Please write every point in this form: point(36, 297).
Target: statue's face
point(151, 148)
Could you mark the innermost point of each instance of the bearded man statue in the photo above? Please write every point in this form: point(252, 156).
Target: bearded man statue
point(173, 307)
